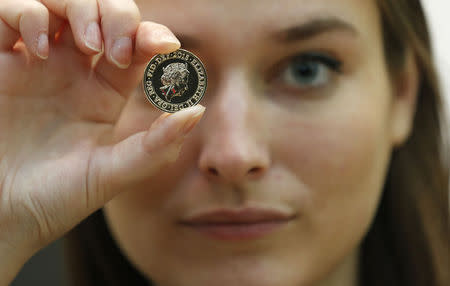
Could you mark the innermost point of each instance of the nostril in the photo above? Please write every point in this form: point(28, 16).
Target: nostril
point(213, 171)
point(255, 170)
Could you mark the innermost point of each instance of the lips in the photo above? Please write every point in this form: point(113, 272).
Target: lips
point(240, 224)
point(237, 216)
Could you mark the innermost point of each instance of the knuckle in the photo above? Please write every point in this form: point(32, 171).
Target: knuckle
point(128, 12)
point(35, 13)
point(34, 9)
point(95, 184)
point(57, 6)
point(82, 7)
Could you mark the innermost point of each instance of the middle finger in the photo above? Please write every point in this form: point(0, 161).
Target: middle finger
point(120, 21)
point(83, 17)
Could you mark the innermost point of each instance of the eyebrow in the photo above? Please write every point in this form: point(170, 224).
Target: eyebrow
point(314, 28)
point(296, 33)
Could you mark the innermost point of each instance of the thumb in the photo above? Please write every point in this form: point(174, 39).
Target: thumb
point(114, 168)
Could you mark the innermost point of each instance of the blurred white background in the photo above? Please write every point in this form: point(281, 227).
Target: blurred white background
point(439, 21)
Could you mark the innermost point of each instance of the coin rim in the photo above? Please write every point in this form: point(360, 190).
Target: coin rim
point(145, 77)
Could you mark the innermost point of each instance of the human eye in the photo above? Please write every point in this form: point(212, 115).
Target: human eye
point(307, 71)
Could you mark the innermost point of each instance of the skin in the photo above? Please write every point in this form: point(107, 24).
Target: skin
point(319, 151)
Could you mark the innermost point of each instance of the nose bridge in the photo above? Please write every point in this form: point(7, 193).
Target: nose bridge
point(232, 147)
point(231, 101)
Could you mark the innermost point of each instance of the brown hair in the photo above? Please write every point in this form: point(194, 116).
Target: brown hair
point(407, 243)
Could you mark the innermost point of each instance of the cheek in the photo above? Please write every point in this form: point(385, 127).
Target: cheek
point(333, 154)
point(341, 161)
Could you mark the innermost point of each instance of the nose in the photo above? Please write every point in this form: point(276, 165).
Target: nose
point(234, 144)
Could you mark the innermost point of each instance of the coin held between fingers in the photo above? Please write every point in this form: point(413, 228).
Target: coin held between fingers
point(175, 81)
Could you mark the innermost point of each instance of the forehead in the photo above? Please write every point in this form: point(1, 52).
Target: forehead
point(245, 16)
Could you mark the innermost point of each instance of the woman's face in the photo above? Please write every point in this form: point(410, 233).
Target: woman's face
point(299, 116)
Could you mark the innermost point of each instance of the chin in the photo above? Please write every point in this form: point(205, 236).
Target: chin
point(237, 271)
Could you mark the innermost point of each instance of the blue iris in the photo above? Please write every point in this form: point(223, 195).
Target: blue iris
point(309, 70)
point(305, 72)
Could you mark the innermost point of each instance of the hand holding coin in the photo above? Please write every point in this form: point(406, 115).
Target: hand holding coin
point(59, 161)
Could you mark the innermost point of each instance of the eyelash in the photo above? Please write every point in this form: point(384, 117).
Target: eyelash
point(327, 64)
point(331, 62)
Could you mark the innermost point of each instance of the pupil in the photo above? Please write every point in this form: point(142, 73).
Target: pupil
point(306, 70)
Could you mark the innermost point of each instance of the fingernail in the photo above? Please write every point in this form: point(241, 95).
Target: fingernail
point(42, 48)
point(121, 52)
point(193, 120)
point(92, 37)
point(159, 120)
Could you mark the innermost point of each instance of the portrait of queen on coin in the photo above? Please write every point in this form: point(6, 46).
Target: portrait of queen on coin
point(175, 81)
